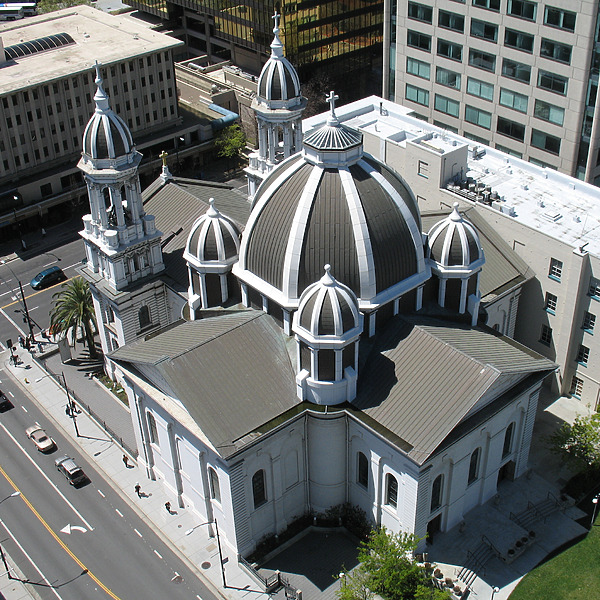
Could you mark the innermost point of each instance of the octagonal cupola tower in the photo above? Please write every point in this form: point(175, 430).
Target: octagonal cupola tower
point(121, 240)
point(278, 106)
point(333, 204)
point(456, 257)
point(327, 327)
point(211, 250)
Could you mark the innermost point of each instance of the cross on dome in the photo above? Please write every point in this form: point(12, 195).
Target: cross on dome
point(276, 45)
point(332, 120)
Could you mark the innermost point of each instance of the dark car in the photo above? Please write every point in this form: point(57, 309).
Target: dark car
point(47, 278)
point(69, 468)
point(5, 403)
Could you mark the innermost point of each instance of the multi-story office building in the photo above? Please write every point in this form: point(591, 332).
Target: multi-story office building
point(519, 75)
point(342, 40)
point(47, 95)
point(549, 219)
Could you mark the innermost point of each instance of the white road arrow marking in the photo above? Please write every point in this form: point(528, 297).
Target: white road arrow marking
point(68, 528)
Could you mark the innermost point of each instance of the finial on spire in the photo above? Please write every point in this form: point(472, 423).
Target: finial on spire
point(100, 97)
point(332, 120)
point(455, 216)
point(212, 210)
point(328, 279)
point(276, 45)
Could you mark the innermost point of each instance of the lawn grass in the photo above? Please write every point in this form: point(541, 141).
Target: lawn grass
point(572, 574)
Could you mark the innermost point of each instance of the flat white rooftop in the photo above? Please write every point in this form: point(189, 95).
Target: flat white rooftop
point(98, 36)
point(559, 205)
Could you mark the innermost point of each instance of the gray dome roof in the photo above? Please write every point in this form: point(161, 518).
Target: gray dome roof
point(327, 308)
point(454, 242)
point(214, 239)
point(106, 135)
point(278, 83)
point(336, 207)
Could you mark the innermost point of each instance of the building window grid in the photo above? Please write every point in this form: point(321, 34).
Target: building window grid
point(481, 89)
point(449, 50)
point(556, 51)
point(516, 70)
point(420, 12)
point(362, 477)
point(546, 335)
point(489, 4)
point(583, 355)
point(448, 78)
point(483, 30)
point(417, 95)
point(474, 466)
point(510, 129)
point(551, 302)
point(418, 68)
point(562, 19)
point(594, 288)
point(446, 105)
point(576, 387)
point(450, 20)
point(513, 100)
point(476, 116)
point(589, 321)
point(522, 9)
point(555, 271)
point(545, 141)
point(391, 491)
point(548, 112)
point(519, 40)
point(420, 41)
point(482, 60)
point(552, 82)
point(259, 492)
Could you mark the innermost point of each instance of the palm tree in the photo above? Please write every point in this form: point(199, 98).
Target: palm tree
point(74, 309)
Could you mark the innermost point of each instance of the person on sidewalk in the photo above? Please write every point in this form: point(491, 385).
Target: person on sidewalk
point(126, 461)
point(138, 490)
point(168, 507)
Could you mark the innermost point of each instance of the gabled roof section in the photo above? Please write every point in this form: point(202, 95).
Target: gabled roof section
point(176, 204)
point(429, 371)
point(232, 373)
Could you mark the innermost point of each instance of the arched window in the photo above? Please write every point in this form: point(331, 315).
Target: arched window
point(144, 317)
point(258, 488)
point(474, 465)
point(436, 492)
point(215, 489)
point(508, 438)
point(363, 471)
point(152, 429)
point(391, 490)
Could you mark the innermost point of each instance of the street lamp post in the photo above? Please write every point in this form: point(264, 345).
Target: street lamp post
point(27, 318)
point(191, 530)
point(71, 406)
point(4, 562)
point(495, 590)
point(595, 500)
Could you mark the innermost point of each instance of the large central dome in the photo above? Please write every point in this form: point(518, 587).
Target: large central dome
point(333, 204)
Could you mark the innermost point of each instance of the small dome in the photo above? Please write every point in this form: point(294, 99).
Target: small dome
point(278, 84)
point(106, 135)
point(454, 242)
point(328, 308)
point(213, 240)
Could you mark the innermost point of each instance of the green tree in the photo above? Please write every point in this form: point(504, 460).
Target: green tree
point(230, 142)
point(46, 6)
point(73, 310)
point(578, 443)
point(354, 585)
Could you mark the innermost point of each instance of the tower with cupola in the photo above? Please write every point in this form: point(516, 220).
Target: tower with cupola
point(122, 244)
point(278, 107)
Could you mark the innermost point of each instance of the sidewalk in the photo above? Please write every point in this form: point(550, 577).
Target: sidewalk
point(198, 549)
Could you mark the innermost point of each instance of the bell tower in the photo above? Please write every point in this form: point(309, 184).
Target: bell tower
point(122, 244)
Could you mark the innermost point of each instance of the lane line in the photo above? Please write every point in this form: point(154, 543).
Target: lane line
point(157, 554)
point(100, 492)
point(119, 512)
point(16, 541)
point(138, 532)
point(57, 538)
point(44, 476)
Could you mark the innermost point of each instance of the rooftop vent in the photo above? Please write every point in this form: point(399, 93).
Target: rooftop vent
point(552, 215)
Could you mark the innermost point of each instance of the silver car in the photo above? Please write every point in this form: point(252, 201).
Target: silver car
point(43, 442)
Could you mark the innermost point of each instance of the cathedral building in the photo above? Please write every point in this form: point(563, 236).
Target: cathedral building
point(325, 347)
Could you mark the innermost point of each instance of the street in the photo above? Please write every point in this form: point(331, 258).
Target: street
point(76, 543)
point(39, 303)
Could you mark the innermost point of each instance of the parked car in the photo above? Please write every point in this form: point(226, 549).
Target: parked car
point(47, 277)
point(69, 468)
point(43, 442)
point(5, 403)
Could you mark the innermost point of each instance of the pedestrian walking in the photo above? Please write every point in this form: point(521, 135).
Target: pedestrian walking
point(126, 461)
point(138, 490)
point(68, 411)
point(22, 341)
point(168, 507)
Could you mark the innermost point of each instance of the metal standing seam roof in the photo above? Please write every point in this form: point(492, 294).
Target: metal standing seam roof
point(424, 376)
point(232, 373)
point(176, 204)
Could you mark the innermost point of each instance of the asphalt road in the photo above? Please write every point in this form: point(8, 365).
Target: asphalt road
point(39, 303)
point(77, 543)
